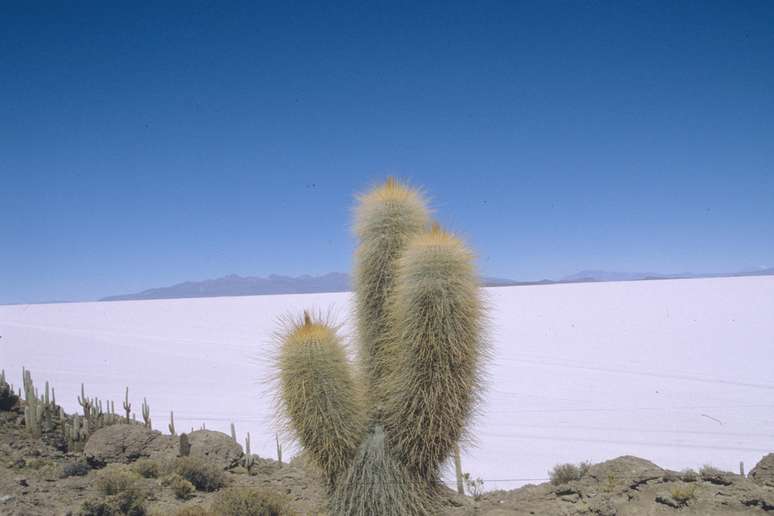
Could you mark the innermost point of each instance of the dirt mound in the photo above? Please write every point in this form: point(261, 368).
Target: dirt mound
point(630, 486)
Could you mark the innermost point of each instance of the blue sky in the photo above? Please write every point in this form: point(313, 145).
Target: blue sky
point(147, 144)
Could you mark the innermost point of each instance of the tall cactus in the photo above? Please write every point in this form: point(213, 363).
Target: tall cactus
point(381, 434)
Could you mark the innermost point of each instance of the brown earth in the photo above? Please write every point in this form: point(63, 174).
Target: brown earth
point(32, 482)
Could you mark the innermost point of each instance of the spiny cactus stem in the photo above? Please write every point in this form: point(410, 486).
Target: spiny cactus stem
point(84, 402)
point(233, 432)
point(279, 449)
point(185, 446)
point(249, 459)
point(171, 422)
point(146, 413)
point(127, 405)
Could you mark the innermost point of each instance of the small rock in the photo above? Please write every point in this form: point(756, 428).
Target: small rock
point(668, 501)
point(7, 498)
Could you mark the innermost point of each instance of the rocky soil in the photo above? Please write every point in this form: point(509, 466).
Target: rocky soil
point(32, 480)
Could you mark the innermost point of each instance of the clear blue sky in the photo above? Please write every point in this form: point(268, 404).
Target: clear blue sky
point(147, 144)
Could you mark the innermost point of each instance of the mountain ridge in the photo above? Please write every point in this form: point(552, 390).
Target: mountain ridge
point(235, 285)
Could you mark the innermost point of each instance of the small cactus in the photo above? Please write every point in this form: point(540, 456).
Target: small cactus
point(146, 413)
point(171, 422)
point(8, 397)
point(249, 459)
point(85, 402)
point(127, 406)
point(184, 449)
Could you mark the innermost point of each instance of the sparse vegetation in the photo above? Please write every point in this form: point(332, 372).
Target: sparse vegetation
point(193, 510)
point(182, 488)
point(147, 468)
point(683, 493)
point(117, 478)
point(708, 471)
point(240, 501)
point(76, 468)
point(121, 504)
point(563, 473)
point(202, 474)
point(474, 487)
point(689, 475)
point(122, 493)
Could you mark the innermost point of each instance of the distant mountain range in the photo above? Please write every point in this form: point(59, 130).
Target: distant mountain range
point(234, 285)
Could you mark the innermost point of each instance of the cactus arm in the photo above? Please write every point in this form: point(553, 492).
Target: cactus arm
point(386, 219)
point(318, 395)
point(437, 315)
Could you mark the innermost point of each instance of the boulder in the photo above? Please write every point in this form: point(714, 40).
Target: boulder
point(625, 472)
point(763, 472)
point(125, 443)
point(217, 447)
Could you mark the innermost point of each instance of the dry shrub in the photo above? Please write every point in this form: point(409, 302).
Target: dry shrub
point(243, 501)
point(563, 473)
point(147, 468)
point(117, 478)
point(683, 493)
point(193, 510)
point(203, 475)
point(121, 504)
point(182, 488)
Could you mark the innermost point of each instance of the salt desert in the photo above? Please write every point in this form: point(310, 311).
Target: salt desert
point(679, 372)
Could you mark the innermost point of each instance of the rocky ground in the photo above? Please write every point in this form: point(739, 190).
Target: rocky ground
point(33, 480)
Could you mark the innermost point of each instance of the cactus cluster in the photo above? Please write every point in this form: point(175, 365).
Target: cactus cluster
point(8, 397)
point(40, 411)
point(381, 429)
point(42, 415)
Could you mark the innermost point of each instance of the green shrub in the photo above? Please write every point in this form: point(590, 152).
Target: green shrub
point(563, 473)
point(122, 504)
point(147, 468)
point(689, 475)
point(242, 501)
point(203, 475)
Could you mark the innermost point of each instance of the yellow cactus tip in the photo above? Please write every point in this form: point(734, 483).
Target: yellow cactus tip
point(435, 228)
point(391, 182)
